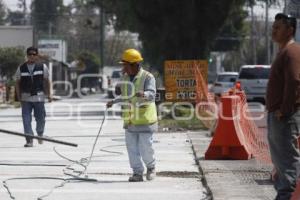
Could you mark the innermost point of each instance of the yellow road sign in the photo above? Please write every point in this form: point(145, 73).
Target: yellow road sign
point(180, 82)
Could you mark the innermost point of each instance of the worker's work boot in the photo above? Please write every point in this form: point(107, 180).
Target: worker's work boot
point(151, 173)
point(29, 144)
point(40, 141)
point(136, 178)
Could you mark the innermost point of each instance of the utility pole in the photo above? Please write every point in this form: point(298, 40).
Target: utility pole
point(284, 7)
point(24, 6)
point(102, 35)
point(267, 33)
point(253, 37)
point(50, 25)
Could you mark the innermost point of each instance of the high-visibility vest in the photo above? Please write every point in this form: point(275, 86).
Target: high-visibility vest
point(136, 110)
point(32, 82)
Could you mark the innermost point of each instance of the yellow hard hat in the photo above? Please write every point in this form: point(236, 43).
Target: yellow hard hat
point(131, 56)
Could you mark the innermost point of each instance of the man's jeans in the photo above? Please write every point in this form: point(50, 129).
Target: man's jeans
point(39, 115)
point(139, 146)
point(282, 137)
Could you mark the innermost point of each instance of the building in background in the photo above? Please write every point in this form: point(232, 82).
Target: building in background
point(56, 52)
point(16, 36)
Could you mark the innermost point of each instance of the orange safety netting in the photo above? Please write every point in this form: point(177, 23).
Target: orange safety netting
point(204, 98)
point(255, 138)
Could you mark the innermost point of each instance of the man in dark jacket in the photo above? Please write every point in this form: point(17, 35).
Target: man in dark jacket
point(283, 101)
point(32, 87)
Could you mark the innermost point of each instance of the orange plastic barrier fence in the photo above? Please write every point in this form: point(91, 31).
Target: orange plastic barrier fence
point(236, 135)
point(257, 141)
point(228, 141)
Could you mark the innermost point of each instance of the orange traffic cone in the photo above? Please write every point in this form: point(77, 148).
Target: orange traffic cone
point(228, 141)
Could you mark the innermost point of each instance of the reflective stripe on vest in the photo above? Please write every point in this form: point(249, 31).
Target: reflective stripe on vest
point(38, 73)
point(136, 110)
point(25, 74)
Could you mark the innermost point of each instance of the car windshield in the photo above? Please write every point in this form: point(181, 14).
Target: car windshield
point(255, 73)
point(226, 78)
point(116, 74)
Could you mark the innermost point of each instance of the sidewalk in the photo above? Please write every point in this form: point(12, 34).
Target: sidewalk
point(232, 179)
point(177, 173)
point(178, 176)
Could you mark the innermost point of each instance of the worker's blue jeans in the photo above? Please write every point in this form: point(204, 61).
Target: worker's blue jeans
point(282, 137)
point(139, 147)
point(39, 115)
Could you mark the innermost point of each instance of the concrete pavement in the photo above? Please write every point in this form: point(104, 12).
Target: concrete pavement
point(77, 121)
point(233, 179)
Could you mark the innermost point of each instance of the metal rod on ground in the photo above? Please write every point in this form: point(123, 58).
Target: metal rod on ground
point(37, 137)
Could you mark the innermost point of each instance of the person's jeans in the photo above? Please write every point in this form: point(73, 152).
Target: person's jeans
point(39, 115)
point(139, 146)
point(283, 143)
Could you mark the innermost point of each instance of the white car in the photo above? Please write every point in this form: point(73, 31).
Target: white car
point(253, 79)
point(223, 82)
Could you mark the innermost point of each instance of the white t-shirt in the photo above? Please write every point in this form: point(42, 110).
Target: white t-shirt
point(40, 97)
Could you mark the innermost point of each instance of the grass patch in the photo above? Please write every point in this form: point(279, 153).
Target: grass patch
point(184, 118)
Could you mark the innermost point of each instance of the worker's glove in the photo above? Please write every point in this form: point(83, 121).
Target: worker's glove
point(109, 104)
point(140, 94)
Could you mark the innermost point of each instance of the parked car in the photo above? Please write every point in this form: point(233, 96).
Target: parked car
point(223, 82)
point(253, 79)
point(112, 82)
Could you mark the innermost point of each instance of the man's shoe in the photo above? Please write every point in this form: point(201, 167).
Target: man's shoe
point(151, 173)
point(40, 141)
point(136, 178)
point(28, 144)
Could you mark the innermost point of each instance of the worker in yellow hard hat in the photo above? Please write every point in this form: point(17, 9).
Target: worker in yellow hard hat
point(139, 114)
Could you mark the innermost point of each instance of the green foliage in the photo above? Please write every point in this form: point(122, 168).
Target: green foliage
point(10, 59)
point(233, 31)
point(172, 29)
point(45, 14)
point(253, 2)
point(90, 60)
point(2, 12)
point(92, 64)
point(15, 18)
point(182, 113)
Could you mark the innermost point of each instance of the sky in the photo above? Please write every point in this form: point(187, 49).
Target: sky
point(259, 9)
point(12, 4)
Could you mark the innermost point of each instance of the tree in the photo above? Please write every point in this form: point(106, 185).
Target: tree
point(172, 29)
point(2, 12)
point(233, 32)
point(15, 18)
point(45, 15)
point(91, 63)
point(82, 29)
point(257, 53)
point(10, 59)
point(115, 45)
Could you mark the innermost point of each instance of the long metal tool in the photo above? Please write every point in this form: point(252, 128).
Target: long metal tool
point(37, 137)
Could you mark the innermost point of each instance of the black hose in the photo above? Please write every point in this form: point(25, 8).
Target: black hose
point(76, 177)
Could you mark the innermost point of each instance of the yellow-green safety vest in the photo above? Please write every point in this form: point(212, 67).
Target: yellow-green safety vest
point(136, 110)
